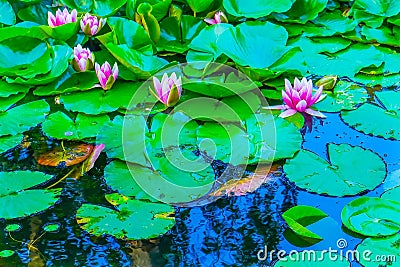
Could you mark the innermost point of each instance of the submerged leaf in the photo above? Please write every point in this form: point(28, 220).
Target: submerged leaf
point(72, 155)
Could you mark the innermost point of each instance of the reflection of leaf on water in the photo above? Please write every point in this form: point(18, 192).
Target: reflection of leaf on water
point(247, 184)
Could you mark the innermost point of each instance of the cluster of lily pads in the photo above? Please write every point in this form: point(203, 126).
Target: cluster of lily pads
point(47, 83)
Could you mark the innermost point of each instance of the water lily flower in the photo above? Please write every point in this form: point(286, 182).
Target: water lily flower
point(84, 59)
point(169, 90)
point(91, 25)
point(106, 75)
point(61, 18)
point(219, 17)
point(89, 163)
point(299, 98)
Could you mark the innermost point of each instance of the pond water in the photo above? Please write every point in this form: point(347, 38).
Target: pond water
point(228, 232)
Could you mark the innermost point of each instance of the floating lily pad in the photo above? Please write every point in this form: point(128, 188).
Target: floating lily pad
point(128, 32)
point(124, 139)
point(385, 249)
point(17, 201)
point(23, 117)
point(98, 101)
point(69, 155)
point(246, 45)
point(13, 227)
point(372, 216)
point(377, 120)
point(59, 125)
point(302, 11)
point(7, 102)
point(349, 171)
point(176, 34)
point(313, 259)
point(227, 142)
point(98, 7)
point(132, 220)
point(345, 96)
point(298, 217)
point(272, 138)
point(68, 82)
point(119, 178)
point(6, 253)
point(9, 141)
point(256, 8)
point(7, 15)
point(392, 194)
point(52, 227)
point(7, 89)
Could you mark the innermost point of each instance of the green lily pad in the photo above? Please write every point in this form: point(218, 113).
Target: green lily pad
point(272, 138)
point(372, 216)
point(176, 34)
point(302, 11)
point(382, 251)
point(60, 55)
point(69, 82)
point(256, 8)
point(13, 227)
point(62, 32)
point(349, 171)
point(124, 139)
point(6, 253)
point(7, 102)
point(141, 63)
point(17, 201)
point(98, 7)
point(128, 32)
point(118, 176)
point(9, 141)
point(313, 259)
point(392, 194)
point(8, 89)
point(227, 142)
point(245, 44)
point(58, 125)
point(7, 15)
point(36, 13)
point(381, 121)
point(23, 117)
point(98, 101)
point(52, 227)
point(345, 96)
point(133, 220)
point(382, 8)
point(200, 6)
point(298, 217)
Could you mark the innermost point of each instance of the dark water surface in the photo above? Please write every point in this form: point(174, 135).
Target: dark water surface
point(228, 232)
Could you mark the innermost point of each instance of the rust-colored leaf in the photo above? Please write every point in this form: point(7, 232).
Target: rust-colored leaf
point(247, 184)
point(70, 155)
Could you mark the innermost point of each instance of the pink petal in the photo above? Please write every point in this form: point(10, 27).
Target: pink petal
point(82, 64)
point(115, 71)
point(295, 98)
point(157, 86)
point(288, 87)
point(297, 84)
point(315, 113)
point(287, 100)
point(179, 85)
point(288, 113)
point(301, 106)
point(316, 96)
point(97, 67)
point(210, 21)
point(51, 19)
point(94, 29)
point(74, 14)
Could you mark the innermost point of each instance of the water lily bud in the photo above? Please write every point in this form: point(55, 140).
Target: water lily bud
point(61, 17)
point(219, 17)
point(106, 75)
point(83, 59)
point(91, 25)
point(169, 90)
point(327, 82)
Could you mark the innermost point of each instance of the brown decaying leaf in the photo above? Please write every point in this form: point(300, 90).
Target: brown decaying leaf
point(247, 184)
point(72, 155)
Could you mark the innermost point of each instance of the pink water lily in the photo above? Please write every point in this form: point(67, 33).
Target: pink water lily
point(89, 162)
point(300, 98)
point(106, 75)
point(169, 90)
point(219, 17)
point(91, 25)
point(84, 59)
point(61, 18)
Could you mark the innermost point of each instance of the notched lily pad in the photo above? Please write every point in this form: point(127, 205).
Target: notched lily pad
point(349, 171)
point(132, 220)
